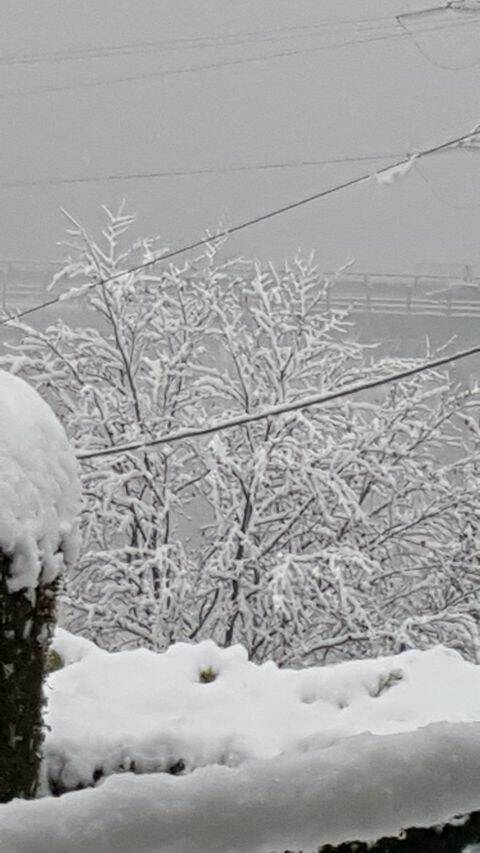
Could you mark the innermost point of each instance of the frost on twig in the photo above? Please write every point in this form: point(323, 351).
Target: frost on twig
point(329, 532)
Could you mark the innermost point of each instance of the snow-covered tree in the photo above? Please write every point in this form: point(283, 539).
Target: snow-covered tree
point(334, 530)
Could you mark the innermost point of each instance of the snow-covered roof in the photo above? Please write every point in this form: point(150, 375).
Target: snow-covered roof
point(39, 487)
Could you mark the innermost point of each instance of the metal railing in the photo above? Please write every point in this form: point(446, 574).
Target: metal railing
point(436, 295)
point(430, 294)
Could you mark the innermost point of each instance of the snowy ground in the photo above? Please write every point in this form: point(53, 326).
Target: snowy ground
point(248, 758)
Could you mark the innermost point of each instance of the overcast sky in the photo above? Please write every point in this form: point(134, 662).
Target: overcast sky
point(325, 99)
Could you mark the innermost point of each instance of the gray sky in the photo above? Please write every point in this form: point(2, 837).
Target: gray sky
point(382, 96)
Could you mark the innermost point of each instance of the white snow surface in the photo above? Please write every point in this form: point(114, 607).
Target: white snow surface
point(39, 487)
point(273, 759)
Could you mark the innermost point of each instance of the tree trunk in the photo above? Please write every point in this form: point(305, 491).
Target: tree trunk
point(26, 627)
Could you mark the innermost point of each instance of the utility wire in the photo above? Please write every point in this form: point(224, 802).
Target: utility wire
point(217, 45)
point(216, 170)
point(451, 143)
point(281, 409)
point(461, 8)
point(151, 75)
point(438, 195)
point(430, 59)
point(196, 42)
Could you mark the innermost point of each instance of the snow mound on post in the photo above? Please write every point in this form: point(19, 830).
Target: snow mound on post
point(39, 487)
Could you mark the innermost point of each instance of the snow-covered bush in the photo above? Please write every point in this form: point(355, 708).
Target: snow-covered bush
point(335, 530)
point(39, 504)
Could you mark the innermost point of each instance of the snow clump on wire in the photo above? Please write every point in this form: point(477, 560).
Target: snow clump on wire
point(39, 487)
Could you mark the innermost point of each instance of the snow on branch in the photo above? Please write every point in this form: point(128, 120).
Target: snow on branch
point(314, 534)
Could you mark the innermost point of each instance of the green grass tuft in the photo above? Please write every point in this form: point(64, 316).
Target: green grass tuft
point(53, 662)
point(207, 675)
point(385, 682)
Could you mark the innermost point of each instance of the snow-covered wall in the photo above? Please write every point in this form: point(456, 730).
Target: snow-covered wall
point(254, 759)
point(39, 487)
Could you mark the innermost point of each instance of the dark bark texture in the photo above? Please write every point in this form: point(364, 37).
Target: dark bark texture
point(26, 626)
point(451, 838)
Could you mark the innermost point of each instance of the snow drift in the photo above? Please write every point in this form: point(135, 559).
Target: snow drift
point(204, 751)
point(361, 788)
point(109, 713)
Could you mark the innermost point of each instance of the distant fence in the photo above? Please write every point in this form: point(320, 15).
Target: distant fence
point(434, 295)
point(405, 294)
point(24, 280)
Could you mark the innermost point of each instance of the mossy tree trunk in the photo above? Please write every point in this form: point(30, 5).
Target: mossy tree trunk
point(26, 626)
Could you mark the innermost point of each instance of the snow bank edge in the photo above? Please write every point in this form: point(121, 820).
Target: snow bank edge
point(361, 788)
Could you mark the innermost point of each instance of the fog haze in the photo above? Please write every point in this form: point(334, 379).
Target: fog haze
point(379, 97)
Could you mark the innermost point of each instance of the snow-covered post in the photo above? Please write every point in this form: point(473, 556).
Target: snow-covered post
point(39, 504)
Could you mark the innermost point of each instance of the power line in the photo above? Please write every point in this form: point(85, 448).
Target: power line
point(234, 229)
point(447, 202)
point(158, 51)
point(210, 41)
point(196, 42)
point(435, 62)
point(460, 6)
point(244, 167)
point(281, 409)
point(151, 75)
